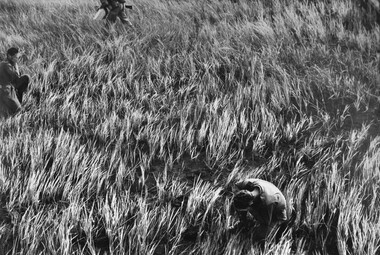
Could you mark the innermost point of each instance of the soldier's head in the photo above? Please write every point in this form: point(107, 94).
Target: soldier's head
point(13, 55)
point(243, 200)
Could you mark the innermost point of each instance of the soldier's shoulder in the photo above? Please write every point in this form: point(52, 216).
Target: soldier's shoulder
point(5, 64)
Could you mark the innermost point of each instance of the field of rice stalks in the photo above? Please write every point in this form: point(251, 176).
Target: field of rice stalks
point(130, 140)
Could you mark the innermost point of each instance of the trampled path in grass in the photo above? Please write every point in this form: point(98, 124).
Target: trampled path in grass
point(130, 141)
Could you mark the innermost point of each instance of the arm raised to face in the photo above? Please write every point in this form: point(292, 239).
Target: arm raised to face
point(244, 199)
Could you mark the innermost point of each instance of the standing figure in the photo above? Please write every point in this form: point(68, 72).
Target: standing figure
point(263, 201)
point(12, 84)
point(116, 8)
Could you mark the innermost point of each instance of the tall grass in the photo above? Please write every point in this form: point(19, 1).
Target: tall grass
point(130, 141)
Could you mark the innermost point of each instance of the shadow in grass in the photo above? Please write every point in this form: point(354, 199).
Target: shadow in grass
point(321, 237)
point(99, 238)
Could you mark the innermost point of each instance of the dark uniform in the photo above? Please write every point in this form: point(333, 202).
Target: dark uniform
point(12, 87)
point(116, 8)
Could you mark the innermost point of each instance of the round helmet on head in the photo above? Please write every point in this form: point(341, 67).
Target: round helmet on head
point(12, 51)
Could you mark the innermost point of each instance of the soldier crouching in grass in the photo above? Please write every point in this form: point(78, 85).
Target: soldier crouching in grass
point(12, 84)
point(264, 203)
point(116, 8)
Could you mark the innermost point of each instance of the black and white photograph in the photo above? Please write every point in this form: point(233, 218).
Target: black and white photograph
point(190, 127)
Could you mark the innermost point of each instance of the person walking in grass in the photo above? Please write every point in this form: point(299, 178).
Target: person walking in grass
point(115, 8)
point(263, 201)
point(12, 84)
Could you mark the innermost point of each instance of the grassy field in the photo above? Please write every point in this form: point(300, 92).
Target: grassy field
point(130, 141)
